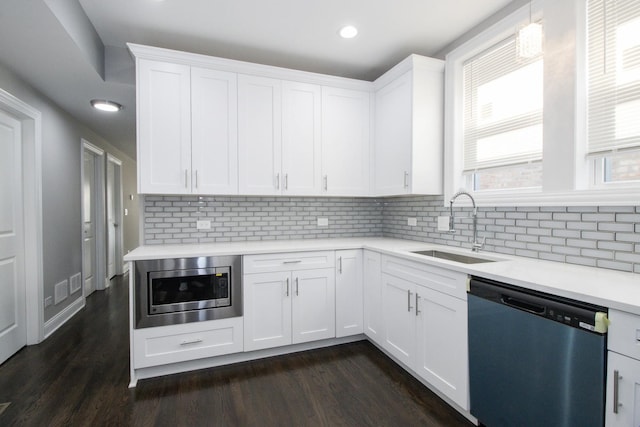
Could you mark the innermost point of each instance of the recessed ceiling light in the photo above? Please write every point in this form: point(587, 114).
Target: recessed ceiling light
point(348, 32)
point(104, 105)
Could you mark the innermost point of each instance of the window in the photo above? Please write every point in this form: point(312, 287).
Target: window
point(502, 119)
point(613, 50)
point(553, 131)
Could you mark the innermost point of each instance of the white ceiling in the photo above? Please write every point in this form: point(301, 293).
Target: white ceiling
point(46, 51)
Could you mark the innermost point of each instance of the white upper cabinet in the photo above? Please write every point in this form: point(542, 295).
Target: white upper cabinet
point(408, 146)
point(216, 126)
point(187, 130)
point(164, 127)
point(301, 153)
point(279, 131)
point(214, 132)
point(259, 135)
point(345, 142)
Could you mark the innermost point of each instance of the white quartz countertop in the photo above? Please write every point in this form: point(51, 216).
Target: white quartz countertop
point(608, 288)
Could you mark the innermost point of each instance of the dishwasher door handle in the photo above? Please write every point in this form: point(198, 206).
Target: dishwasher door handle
point(523, 305)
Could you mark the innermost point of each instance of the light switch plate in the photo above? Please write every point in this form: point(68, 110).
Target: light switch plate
point(323, 222)
point(443, 223)
point(412, 222)
point(203, 224)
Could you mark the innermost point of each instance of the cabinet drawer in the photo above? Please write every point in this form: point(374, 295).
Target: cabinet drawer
point(287, 261)
point(189, 341)
point(624, 333)
point(438, 279)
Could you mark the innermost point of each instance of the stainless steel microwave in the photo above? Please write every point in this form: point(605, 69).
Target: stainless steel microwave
point(171, 291)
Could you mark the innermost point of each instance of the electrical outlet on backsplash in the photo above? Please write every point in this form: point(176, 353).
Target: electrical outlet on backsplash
point(605, 236)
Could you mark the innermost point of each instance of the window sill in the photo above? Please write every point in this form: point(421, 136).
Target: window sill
point(608, 197)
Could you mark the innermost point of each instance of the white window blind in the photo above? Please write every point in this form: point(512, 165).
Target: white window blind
point(502, 108)
point(614, 75)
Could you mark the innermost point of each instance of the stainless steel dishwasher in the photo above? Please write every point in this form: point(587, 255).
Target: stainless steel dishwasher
point(535, 359)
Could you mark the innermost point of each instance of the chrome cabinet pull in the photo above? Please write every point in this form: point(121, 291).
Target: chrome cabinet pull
point(194, 341)
point(406, 179)
point(297, 287)
point(196, 178)
point(326, 182)
point(417, 310)
point(287, 286)
point(186, 178)
point(277, 181)
point(292, 262)
point(340, 265)
point(616, 393)
point(286, 181)
point(409, 300)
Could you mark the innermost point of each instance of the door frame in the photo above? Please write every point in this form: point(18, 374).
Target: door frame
point(31, 121)
point(100, 268)
point(117, 164)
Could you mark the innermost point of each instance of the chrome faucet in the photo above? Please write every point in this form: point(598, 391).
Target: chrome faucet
point(476, 246)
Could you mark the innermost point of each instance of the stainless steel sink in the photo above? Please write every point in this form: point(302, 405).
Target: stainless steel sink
point(452, 256)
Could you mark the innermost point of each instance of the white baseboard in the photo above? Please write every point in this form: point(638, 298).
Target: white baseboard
point(61, 318)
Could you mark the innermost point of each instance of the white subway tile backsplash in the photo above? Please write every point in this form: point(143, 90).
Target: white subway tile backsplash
point(605, 236)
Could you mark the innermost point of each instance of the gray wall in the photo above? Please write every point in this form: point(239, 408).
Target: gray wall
point(61, 155)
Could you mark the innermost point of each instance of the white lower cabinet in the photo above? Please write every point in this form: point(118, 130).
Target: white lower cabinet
point(399, 320)
point(290, 306)
point(623, 395)
point(372, 283)
point(441, 356)
point(426, 329)
point(623, 370)
point(314, 305)
point(267, 308)
point(349, 298)
point(188, 341)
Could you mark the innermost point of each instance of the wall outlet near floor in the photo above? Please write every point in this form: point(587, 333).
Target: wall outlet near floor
point(412, 222)
point(443, 223)
point(323, 222)
point(60, 292)
point(48, 301)
point(75, 283)
point(203, 224)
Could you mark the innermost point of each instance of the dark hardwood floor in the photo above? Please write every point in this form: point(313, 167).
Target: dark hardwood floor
point(79, 377)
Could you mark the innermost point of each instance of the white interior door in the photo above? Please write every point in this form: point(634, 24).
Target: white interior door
point(114, 217)
point(111, 222)
point(89, 223)
point(13, 332)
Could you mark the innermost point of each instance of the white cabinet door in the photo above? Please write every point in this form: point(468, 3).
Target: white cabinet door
point(301, 155)
point(259, 135)
point(373, 321)
point(442, 351)
point(408, 142)
point(214, 128)
point(188, 341)
point(314, 311)
point(349, 293)
point(393, 137)
point(399, 318)
point(628, 392)
point(164, 127)
point(345, 142)
point(267, 310)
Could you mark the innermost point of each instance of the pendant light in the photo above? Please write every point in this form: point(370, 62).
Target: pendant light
point(529, 39)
